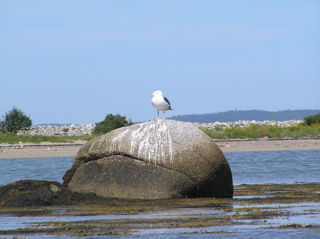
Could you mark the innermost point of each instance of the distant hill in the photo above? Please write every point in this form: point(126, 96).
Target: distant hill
point(235, 115)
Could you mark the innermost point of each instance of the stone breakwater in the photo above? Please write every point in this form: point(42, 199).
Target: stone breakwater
point(80, 130)
point(246, 123)
point(65, 130)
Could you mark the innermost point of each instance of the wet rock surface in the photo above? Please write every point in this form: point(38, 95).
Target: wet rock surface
point(31, 193)
point(261, 209)
point(157, 159)
point(28, 193)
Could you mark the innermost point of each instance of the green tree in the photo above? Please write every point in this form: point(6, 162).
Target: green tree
point(110, 123)
point(312, 119)
point(14, 121)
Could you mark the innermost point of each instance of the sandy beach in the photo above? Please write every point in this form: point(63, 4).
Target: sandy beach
point(43, 150)
point(268, 145)
point(47, 149)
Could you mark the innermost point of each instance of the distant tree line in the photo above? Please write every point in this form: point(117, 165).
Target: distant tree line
point(16, 120)
point(235, 115)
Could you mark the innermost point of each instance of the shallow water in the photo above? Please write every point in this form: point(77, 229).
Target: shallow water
point(274, 167)
point(51, 169)
point(247, 168)
point(242, 228)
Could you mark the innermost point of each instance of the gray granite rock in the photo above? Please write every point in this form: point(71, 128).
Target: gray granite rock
point(157, 159)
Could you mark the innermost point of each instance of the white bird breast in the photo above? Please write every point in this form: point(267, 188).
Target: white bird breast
point(159, 103)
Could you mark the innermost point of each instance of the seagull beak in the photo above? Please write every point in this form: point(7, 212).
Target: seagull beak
point(151, 95)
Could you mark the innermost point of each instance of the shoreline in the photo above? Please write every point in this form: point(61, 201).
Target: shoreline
point(257, 145)
point(51, 150)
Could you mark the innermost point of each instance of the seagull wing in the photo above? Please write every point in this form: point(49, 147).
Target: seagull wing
point(166, 100)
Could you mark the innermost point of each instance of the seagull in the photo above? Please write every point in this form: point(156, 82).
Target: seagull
point(160, 102)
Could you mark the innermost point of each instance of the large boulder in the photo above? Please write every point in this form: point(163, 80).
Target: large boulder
point(152, 160)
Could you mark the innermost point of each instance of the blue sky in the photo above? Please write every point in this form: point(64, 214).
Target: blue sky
point(77, 61)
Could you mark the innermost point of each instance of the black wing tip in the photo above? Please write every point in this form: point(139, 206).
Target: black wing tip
point(166, 100)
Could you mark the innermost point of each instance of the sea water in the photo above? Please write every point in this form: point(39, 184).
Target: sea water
point(275, 167)
point(246, 167)
point(50, 169)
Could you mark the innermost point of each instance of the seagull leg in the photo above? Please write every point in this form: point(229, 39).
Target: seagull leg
point(158, 114)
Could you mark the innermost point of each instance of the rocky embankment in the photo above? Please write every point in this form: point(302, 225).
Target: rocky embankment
point(65, 130)
point(246, 123)
point(79, 130)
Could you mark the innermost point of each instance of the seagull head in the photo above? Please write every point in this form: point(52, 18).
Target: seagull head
point(157, 93)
